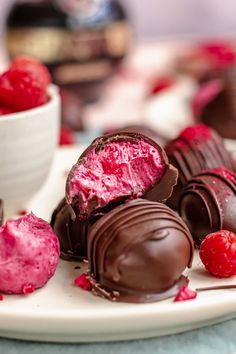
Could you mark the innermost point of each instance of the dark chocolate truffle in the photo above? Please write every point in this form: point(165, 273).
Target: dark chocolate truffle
point(197, 148)
point(208, 203)
point(119, 167)
point(71, 232)
point(1, 212)
point(138, 251)
point(220, 111)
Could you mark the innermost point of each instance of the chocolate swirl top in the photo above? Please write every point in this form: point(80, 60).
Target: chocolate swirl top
point(138, 251)
point(197, 148)
point(208, 203)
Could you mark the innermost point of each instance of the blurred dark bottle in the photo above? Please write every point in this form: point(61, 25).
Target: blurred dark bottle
point(81, 42)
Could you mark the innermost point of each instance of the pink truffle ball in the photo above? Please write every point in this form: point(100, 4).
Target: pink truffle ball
point(29, 253)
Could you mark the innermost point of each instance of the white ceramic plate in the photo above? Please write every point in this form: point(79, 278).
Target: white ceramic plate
point(61, 312)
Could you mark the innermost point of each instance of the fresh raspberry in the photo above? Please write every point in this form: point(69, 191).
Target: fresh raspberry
point(21, 90)
point(34, 67)
point(5, 110)
point(83, 282)
point(218, 253)
point(66, 137)
point(162, 83)
point(185, 294)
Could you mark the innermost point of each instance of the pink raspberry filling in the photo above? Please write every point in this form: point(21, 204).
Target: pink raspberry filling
point(29, 253)
point(123, 168)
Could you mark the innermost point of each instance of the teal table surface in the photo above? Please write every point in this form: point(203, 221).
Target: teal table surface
point(220, 338)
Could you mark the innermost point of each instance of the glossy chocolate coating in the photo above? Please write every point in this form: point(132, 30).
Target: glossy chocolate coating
point(1, 212)
point(160, 191)
point(145, 130)
point(208, 204)
point(220, 112)
point(71, 232)
point(138, 251)
point(193, 155)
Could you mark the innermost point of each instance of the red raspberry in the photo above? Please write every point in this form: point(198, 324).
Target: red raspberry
point(1, 297)
point(21, 90)
point(5, 110)
point(66, 137)
point(32, 66)
point(218, 253)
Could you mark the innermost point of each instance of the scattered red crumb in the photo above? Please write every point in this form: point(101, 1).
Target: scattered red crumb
point(185, 294)
point(195, 132)
point(28, 289)
point(66, 137)
point(83, 282)
point(224, 172)
point(218, 253)
point(22, 212)
point(1, 297)
point(162, 83)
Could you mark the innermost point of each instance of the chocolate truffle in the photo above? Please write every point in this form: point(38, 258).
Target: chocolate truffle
point(219, 112)
point(197, 148)
point(1, 212)
point(71, 232)
point(208, 203)
point(138, 251)
point(119, 167)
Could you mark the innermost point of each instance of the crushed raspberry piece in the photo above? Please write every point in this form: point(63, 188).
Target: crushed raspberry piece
point(195, 132)
point(185, 294)
point(66, 137)
point(162, 83)
point(220, 54)
point(28, 289)
point(218, 253)
point(34, 67)
point(83, 282)
point(1, 297)
point(224, 172)
point(21, 90)
point(22, 212)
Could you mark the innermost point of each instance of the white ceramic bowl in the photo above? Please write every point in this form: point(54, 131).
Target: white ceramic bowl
point(28, 140)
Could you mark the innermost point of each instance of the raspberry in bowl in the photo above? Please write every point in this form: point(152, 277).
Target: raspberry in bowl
point(29, 126)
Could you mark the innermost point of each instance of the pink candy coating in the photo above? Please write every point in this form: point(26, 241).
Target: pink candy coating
point(29, 253)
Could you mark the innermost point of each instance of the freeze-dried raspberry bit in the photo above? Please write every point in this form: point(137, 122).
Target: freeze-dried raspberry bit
point(218, 253)
point(1, 297)
point(28, 289)
point(83, 282)
point(185, 293)
point(161, 84)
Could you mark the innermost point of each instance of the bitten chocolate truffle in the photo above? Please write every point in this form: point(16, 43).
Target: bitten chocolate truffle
point(197, 148)
point(208, 203)
point(119, 167)
point(1, 212)
point(71, 232)
point(138, 251)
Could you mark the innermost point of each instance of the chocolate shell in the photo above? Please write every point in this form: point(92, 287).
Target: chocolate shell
point(71, 232)
point(1, 212)
point(138, 251)
point(119, 167)
point(208, 203)
point(197, 148)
